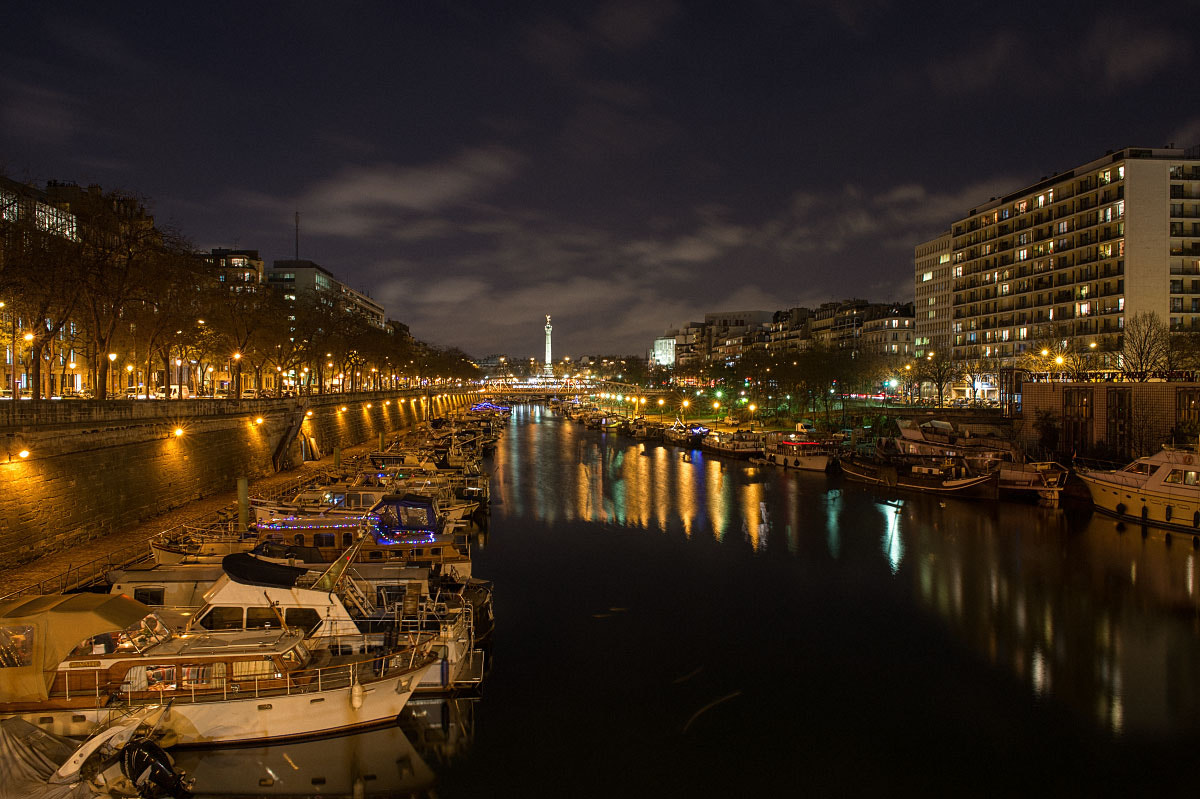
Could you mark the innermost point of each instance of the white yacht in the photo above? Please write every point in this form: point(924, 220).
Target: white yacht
point(1162, 490)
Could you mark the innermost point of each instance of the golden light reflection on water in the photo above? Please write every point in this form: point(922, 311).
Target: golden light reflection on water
point(1104, 621)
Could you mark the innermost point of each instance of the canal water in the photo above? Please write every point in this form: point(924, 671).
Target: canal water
point(675, 624)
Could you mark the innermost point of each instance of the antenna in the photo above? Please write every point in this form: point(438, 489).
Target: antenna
point(297, 235)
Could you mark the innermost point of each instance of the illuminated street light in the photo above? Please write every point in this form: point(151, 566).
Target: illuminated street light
point(178, 432)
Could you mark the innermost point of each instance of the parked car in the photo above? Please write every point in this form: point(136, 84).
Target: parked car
point(249, 393)
point(161, 392)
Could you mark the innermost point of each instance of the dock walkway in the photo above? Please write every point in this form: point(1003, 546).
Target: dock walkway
point(118, 549)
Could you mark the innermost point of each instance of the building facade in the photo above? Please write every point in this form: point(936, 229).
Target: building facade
point(1075, 255)
point(889, 330)
point(934, 296)
point(298, 277)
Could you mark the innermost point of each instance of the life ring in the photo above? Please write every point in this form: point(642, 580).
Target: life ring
point(1187, 459)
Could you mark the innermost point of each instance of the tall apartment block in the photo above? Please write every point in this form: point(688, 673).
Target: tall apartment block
point(934, 296)
point(1074, 256)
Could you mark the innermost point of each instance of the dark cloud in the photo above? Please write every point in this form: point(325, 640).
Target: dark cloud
point(621, 165)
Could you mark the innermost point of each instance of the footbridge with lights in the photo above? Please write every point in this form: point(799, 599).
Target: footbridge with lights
point(545, 388)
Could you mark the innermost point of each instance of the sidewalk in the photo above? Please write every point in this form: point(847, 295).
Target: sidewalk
point(118, 549)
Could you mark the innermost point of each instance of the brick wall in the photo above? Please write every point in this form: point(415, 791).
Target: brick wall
point(95, 467)
point(1152, 418)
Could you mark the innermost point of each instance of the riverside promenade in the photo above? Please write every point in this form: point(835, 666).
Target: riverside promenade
point(48, 568)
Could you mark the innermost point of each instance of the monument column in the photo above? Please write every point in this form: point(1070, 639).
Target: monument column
point(548, 369)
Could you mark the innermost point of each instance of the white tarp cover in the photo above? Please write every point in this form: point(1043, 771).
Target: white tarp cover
point(28, 757)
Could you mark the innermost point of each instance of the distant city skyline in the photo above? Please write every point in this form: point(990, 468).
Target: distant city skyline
point(624, 166)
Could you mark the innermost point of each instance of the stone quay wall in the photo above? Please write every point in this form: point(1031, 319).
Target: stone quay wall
point(96, 467)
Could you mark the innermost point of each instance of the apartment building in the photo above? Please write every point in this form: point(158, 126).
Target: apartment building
point(292, 277)
point(934, 294)
point(236, 269)
point(889, 330)
point(1078, 253)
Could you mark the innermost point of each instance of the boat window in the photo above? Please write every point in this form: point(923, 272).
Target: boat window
point(1138, 467)
point(1191, 478)
point(251, 669)
point(297, 656)
point(375, 554)
point(206, 675)
point(145, 633)
point(305, 619)
point(102, 644)
point(324, 540)
point(347, 539)
point(298, 539)
point(16, 646)
point(160, 678)
point(221, 618)
point(259, 618)
point(1176, 476)
point(149, 596)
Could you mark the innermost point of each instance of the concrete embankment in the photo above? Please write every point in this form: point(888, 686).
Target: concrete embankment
point(97, 467)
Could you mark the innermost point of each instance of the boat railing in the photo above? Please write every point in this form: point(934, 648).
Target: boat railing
point(225, 688)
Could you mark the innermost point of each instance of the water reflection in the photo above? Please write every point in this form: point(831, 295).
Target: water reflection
point(393, 761)
point(1103, 622)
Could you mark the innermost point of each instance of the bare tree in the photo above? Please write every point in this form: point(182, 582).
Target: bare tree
point(40, 271)
point(976, 370)
point(938, 370)
point(1144, 348)
point(118, 239)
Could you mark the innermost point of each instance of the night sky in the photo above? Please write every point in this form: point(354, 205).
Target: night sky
point(623, 166)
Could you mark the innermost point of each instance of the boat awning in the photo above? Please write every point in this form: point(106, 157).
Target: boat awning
point(38, 632)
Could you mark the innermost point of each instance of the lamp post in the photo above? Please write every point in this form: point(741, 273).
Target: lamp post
point(112, 359)
point(683, 409)
point(753, 408)
point(716, 408)
point(661, 402)
point(28, 340)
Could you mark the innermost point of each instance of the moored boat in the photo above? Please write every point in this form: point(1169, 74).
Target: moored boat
point(734, 444)
point(798, 451)
point(925, 475)
point(1162, 490)
point(73, 663)
point(983, 454)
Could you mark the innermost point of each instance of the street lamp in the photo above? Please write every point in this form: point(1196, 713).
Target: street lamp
point(661, 402)
point(112, 357)
point(753, 408)
point(716, 407)
point(683, 409)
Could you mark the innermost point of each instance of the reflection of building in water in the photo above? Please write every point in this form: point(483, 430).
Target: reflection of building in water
point(442, 728)
point(1099, 620)
point(380, 762)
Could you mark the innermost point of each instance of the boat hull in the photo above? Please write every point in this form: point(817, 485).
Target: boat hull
point(805, 463)
point(244, 717)
point(1144, 506)
point(893, 477)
